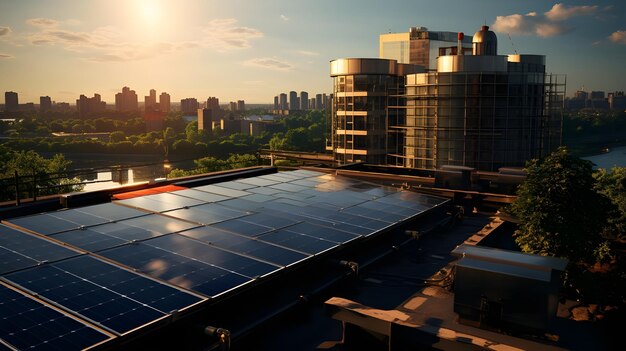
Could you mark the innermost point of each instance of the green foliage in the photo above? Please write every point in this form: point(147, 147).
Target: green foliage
point(586, 132)
point(613, 185)
point(560, 211)
point(117, 136)
point(37, 175)
point(212, 164)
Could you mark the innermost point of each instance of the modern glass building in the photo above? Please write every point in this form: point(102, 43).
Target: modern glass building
point(482, 110)
point(419, 46)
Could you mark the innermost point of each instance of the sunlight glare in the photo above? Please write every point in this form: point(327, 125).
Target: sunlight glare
point(150, 11)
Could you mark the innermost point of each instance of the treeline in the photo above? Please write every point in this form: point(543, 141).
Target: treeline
point(587, 132)
point(301, 132)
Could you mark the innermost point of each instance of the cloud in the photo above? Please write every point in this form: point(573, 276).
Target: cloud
point(560, 12)
point(618, 37)
point(5, 56)
point(224, 35)
point(5, 31)
point(307, 53)
point(42, 22)
point(528, 24)
point(548, 24)
point(269, 63)
point(284, 18)
point(108, 44)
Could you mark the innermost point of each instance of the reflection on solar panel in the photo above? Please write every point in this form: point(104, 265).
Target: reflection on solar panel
point(29, 324)
point(107, 295)
point(208, 241)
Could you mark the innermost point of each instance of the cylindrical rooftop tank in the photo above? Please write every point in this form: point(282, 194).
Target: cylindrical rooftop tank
point(485, 42)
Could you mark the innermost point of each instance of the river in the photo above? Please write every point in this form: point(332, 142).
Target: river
point(616, 157)
point(112, 170)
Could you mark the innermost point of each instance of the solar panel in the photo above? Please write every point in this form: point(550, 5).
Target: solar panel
point(84, 286)
point(236, 185)
point(240, 227)
point(160, 202)
point(322, 232)
point(44, 223)
point(21, 250)
point(88, 239)
point(202, 252)
point(200, 195)
point(206, 214)
point(177, 269)
point(245, 245)
point(111, 211)
point(215, 189)
point(27, 324)
point(211, 239)
point(297, 241)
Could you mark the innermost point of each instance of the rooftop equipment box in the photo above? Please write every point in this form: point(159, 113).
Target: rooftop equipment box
point(506, 290)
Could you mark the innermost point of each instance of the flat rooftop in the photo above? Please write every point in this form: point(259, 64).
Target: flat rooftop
point(100, 275)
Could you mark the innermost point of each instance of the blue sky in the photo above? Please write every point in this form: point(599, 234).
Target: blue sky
point(254, 50)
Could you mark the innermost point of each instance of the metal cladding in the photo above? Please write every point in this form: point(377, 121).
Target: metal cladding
point(351, 66)
point(485, 42)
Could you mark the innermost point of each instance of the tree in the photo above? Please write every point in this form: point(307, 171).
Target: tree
point(613, 185)
point(117, 136)
point(168, 137)
point(560, 211)
point(45, 176)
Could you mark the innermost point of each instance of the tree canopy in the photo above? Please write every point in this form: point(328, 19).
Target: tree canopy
point(561, 212)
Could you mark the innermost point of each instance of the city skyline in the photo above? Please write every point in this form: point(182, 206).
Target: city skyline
point(242, 50)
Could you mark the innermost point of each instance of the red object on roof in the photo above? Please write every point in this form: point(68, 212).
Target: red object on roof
point(150, 191)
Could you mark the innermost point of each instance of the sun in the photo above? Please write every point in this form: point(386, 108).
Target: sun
point(150, 11)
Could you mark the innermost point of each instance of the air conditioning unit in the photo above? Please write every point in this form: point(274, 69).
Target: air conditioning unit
point(506, 290)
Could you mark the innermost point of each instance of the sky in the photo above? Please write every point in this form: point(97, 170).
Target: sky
point(253, 50)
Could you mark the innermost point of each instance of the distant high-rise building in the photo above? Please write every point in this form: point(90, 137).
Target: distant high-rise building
point(312, 103)
point(150, 101)
point(89, 106)
point(213, 103)
point(596, 95)
point(304, 100)
point(241, 105)
point(126, 101)
point(419, 46)
point(233, 106)
point(294, 104)
point(11, 102)
point(189, 106)
point(617, 101)
point(283, 101)
point(581, 95)
point(319, 102)
point(45, 103)
point(276, 103)
point(324, 101)
point(206, 118)
point(164, 102)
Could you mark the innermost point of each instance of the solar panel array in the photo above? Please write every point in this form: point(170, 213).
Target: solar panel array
point(115, 267)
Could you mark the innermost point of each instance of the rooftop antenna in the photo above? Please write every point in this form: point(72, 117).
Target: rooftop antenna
point(512, 44)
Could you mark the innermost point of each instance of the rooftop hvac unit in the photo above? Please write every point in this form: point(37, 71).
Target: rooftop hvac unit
point(506, 290)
